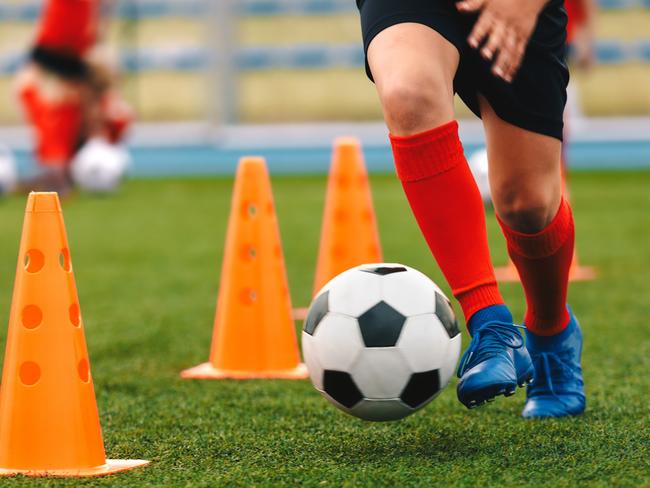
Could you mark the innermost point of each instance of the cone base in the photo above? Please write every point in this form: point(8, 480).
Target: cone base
point(207, 371)
point(508, 274)
point(300, 313)
point(583, 273)
point(112, 466)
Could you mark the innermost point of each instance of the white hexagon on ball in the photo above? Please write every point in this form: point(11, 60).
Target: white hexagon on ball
point(409, 292)
point(353, 292)
point(381, 373)
point(423, 343)
point(337, 342)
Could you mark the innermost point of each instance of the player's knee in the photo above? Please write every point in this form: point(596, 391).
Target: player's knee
point(409, 108)
point(526, 211)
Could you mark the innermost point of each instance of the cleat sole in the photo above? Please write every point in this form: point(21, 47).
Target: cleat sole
point(491, 395)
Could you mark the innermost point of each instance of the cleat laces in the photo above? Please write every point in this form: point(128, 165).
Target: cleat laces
point(492, 337)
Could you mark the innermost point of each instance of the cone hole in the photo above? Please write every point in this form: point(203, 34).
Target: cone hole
point(64, 259)
point(29, 373)
point(251, 210)
point(75, 314)
point(31, 317)
point(343, 181)
point(249, 296)
point(83, 368)
point(338, 252)
point(340, 214)
point(249, 252)
point(34, 261)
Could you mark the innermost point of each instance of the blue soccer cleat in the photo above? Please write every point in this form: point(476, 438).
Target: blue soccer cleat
point(495, 363)
point(557, 389)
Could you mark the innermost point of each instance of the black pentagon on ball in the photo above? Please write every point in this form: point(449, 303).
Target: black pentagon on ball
point(381, 325)
point(341, 387)
point(420, 388)
point(446, 315)
point(384, 270)
point(317, 311)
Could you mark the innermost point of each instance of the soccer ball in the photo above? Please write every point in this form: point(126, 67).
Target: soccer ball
point(100, 167)
point(380, 341)
point(8, 171)
point(478, 164)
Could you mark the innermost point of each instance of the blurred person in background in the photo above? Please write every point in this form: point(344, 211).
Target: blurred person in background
point(68, 89)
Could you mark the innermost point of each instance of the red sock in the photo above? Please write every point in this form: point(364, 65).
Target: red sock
point(543, 261)
point(448, 207)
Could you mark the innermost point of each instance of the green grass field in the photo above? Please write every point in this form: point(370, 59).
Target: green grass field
point(147, 262)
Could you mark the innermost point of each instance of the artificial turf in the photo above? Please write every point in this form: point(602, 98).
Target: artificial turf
point(147, 264)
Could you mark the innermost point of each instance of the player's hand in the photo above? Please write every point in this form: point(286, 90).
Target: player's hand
point(503, 28)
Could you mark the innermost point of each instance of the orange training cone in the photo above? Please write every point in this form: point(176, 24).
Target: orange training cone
point(254, 334)
point(349, 235)
point(49, 424)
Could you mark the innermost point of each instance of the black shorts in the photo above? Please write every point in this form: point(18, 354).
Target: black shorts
point(533, 101)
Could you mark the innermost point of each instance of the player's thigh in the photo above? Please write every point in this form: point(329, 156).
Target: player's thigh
point(525, 172)
point(413, 67)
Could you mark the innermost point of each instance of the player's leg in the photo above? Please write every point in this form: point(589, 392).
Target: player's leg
point(414, 67)
point(526, 181)
point(54, 110)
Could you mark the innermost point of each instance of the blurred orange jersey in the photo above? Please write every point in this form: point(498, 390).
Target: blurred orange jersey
point(575, 10)
point(69, 27)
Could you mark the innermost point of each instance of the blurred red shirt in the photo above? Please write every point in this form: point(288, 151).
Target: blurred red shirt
point(69, 26)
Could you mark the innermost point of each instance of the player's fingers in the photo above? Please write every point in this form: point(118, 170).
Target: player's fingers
point(494, 42)
point(503, 65)
point(518, 56)
point(470, 5)
point(481, 29)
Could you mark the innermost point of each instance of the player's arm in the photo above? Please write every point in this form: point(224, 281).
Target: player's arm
point(505, 27)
